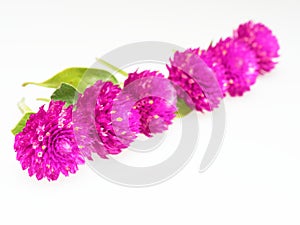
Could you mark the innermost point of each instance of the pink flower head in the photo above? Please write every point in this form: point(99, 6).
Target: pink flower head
point(103, 120)
point(214, 63)
point(47, 146)
point(155, 100)
point(239, 62)
point(196, 82)
point(261, 40)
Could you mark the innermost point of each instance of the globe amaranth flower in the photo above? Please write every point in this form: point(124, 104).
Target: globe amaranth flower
point(198, 84)
point(104, 121)
point(239, 62)
point(262, 41)
point(47, 146)
point(155, 100)
point(212, 62)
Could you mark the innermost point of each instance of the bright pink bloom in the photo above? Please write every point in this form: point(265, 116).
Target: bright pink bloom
point(197, 83)
point(104, 121)
point(47, 146)
point(155, 100)
point(239, 62)
point(261, 40)
point(210, 59)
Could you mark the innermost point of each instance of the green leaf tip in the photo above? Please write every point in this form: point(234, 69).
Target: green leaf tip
point(21, 124)
point(27, 83)
point(77, 77)
point(26, 114)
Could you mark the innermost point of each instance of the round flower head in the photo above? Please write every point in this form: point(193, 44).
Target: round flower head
point(196, 82)
point(155, 100)
point(46, 146)
point(261, 40)
point(210, 59)
point(239, 62)
point(103, 120)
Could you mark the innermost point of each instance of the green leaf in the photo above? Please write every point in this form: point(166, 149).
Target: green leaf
point(183, 109)
point(26, 114)
point(77, 77)
point(65, 93)
point(22, 123)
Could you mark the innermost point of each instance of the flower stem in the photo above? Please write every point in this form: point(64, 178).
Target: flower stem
point(43, 99)
point(23, 107)
point(107, 64)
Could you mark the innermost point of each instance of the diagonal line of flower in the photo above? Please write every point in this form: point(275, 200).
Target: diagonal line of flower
point(107, 117)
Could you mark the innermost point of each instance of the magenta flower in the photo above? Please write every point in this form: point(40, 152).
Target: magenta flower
point(212, 62)
point(104, 120)
point(239, 62)
point(261, 40)
point(197, 83)
point(155, 100)
point(46, 146)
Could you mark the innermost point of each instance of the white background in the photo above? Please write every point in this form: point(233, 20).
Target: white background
point(255, 179)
